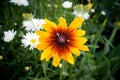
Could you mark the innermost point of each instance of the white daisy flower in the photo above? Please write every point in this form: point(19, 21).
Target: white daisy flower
point(67, 4)
point(9, 35)
point(34, 24)
point(84, 15)
point(82, 11)
point(20, 2)
point(30, 39)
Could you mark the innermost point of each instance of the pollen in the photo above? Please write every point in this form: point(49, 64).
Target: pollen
point(68, 40)
point(33, 41)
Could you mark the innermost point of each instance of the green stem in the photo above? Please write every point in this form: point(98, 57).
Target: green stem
point(35, 56)
point(44, 70)
point(33, 23)
point(113, 34)
point(61, 77)
point(110, 40)
point(70, 71)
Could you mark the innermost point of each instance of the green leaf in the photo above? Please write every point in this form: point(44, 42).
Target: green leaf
point(64, 73)
point(43, 78)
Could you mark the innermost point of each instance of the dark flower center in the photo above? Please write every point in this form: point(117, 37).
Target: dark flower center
point(61, 38)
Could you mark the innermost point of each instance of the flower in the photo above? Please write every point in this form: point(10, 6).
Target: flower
point(85, 15)
point(33, 25)
point(9, 35)
point(67, 4)
point(20, 2)
point(82, 10)
point(27, 16)
point(30, 39)
point(60, 41)
point(103, 12)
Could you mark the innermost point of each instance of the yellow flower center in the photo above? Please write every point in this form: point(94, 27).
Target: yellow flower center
point(33, 41)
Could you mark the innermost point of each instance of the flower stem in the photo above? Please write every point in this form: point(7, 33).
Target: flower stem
point(44, 70)
point(106, 48)
point(61, 77)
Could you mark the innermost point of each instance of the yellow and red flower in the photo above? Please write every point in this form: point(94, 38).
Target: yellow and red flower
point(60, 41)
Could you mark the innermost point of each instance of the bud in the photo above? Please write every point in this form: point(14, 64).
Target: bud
point(103, 13)
point(92, 10)
point(48, 5)
point(89, 5)
point(60, 65)
point(1, 57)
point(56, 6)
point(27, 16)
point(15, 24)
point(27, 68)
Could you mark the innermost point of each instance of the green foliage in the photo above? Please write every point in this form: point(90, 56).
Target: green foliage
point(102, 62)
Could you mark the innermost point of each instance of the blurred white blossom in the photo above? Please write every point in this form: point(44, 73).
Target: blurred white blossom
point(20, 2)
point(103, 12)
point(81, 10)
point(30, 39)
point(60, 65)
point(84, 15)
point(67, 4)
point(27, 68)
point(34, 24)
point(1, 57)
point(92, 10)
point(9, 35)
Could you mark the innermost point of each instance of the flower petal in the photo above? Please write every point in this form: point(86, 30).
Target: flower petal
point(75, 51)
point(83, 47)
point(45, 53)
point(49, 56)
point(56, 60)
point(76, 23)
point(62, 23)
point(43, 40)
point(41, 33)
point(42, 46)
point(79, 40)
point(76, 33)
point(49, 26)
point(68, 57)
point(79, 33)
